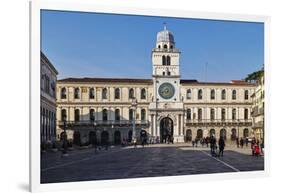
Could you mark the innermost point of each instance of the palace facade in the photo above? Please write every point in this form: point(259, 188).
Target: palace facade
point(104, 110)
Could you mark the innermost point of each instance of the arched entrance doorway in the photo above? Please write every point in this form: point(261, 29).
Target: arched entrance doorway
point(223, 133)
point(246, 133)
point(92, 138)
point(130, 135)
point(199, 134)
point(117, 137)
point(188, 135)
point(166, 130)
point(76, 138)
point(104, 138)
point(233, 134)
point(213, 133)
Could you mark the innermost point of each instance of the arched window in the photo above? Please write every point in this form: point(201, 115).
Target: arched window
point(63, 115)
point(92, 93)
point(76, 93)
point(159, 46)
point(143, 93)
point(168, 60)
point(188, 94)
point(222, 114)
point(188, 114)
point(246, 114)
point(223, 94)
point(212, 114)
point(165, 46)
point(143, 114)
point(233, 114)
point(77, 115)
point(131, 93)
point(104, 114)
point(234, 95)
point(131, 114)
point(200, 94)
point(164, 60)
point(171, 46)
point(213, 94)
point(117, 114)
point(199, 114)
point(246, 133)
point(246, 95)
point(63, 93)
point(92, 114)
point(117, 93)
point(104, 93)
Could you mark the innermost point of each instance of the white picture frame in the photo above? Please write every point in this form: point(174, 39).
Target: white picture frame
point(36, 6)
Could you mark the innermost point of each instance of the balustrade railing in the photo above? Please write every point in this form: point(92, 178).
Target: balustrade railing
point(105, 123)
point(219, 122)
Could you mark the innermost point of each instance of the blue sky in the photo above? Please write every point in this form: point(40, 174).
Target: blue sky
point(119, 46)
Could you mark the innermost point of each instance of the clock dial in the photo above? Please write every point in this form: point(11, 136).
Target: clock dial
point(166, 90)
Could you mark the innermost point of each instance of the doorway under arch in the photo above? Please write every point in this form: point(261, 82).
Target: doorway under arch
point(92, 138)
point(188, 135)
point(117, 137)
point(166, 130)
point(76, 138)
point(104, 138)
point(223, 133)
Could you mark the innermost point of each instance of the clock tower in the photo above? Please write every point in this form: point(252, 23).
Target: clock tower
point(167, 105)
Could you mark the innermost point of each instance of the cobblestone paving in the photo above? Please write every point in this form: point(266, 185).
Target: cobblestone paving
point(151, 161)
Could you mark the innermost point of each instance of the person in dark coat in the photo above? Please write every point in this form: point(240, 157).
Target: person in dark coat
point(241, 142)
point(221, 146)
point(213, 144)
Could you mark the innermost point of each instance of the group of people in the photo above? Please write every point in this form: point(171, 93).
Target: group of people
point(203, 141)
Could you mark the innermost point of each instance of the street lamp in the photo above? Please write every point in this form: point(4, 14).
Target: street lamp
point(64, 152)
point(134, 107)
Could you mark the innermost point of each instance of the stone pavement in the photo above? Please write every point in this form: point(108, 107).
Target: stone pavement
point(150, 161)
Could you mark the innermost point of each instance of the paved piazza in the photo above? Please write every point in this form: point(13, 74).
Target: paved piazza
point(150, 161)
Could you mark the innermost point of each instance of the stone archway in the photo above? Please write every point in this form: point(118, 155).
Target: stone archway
point(166, 130)
point(76, 138)
point(93, 138)
point(104, 138)
point(117, 138)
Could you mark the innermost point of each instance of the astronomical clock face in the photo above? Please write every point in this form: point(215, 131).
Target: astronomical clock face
point(166, 90)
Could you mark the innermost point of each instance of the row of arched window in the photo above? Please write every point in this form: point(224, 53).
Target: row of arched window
point(92, 115)
point(212, 132)
point(213, 94)
point(117, 93)
point(212, 114)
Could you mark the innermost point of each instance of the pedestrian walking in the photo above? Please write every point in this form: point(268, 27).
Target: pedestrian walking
point(241, 142)
point(237, 142)
point(193, 143)
point(213, 144)
point(221, 146)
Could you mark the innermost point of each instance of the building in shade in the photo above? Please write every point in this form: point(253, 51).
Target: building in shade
point(48, 99)
point(99, 110)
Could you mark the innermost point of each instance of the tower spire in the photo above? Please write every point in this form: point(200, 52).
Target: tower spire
point(165, 25)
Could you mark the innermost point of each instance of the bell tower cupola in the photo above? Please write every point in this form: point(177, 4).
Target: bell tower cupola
point(165, 56)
